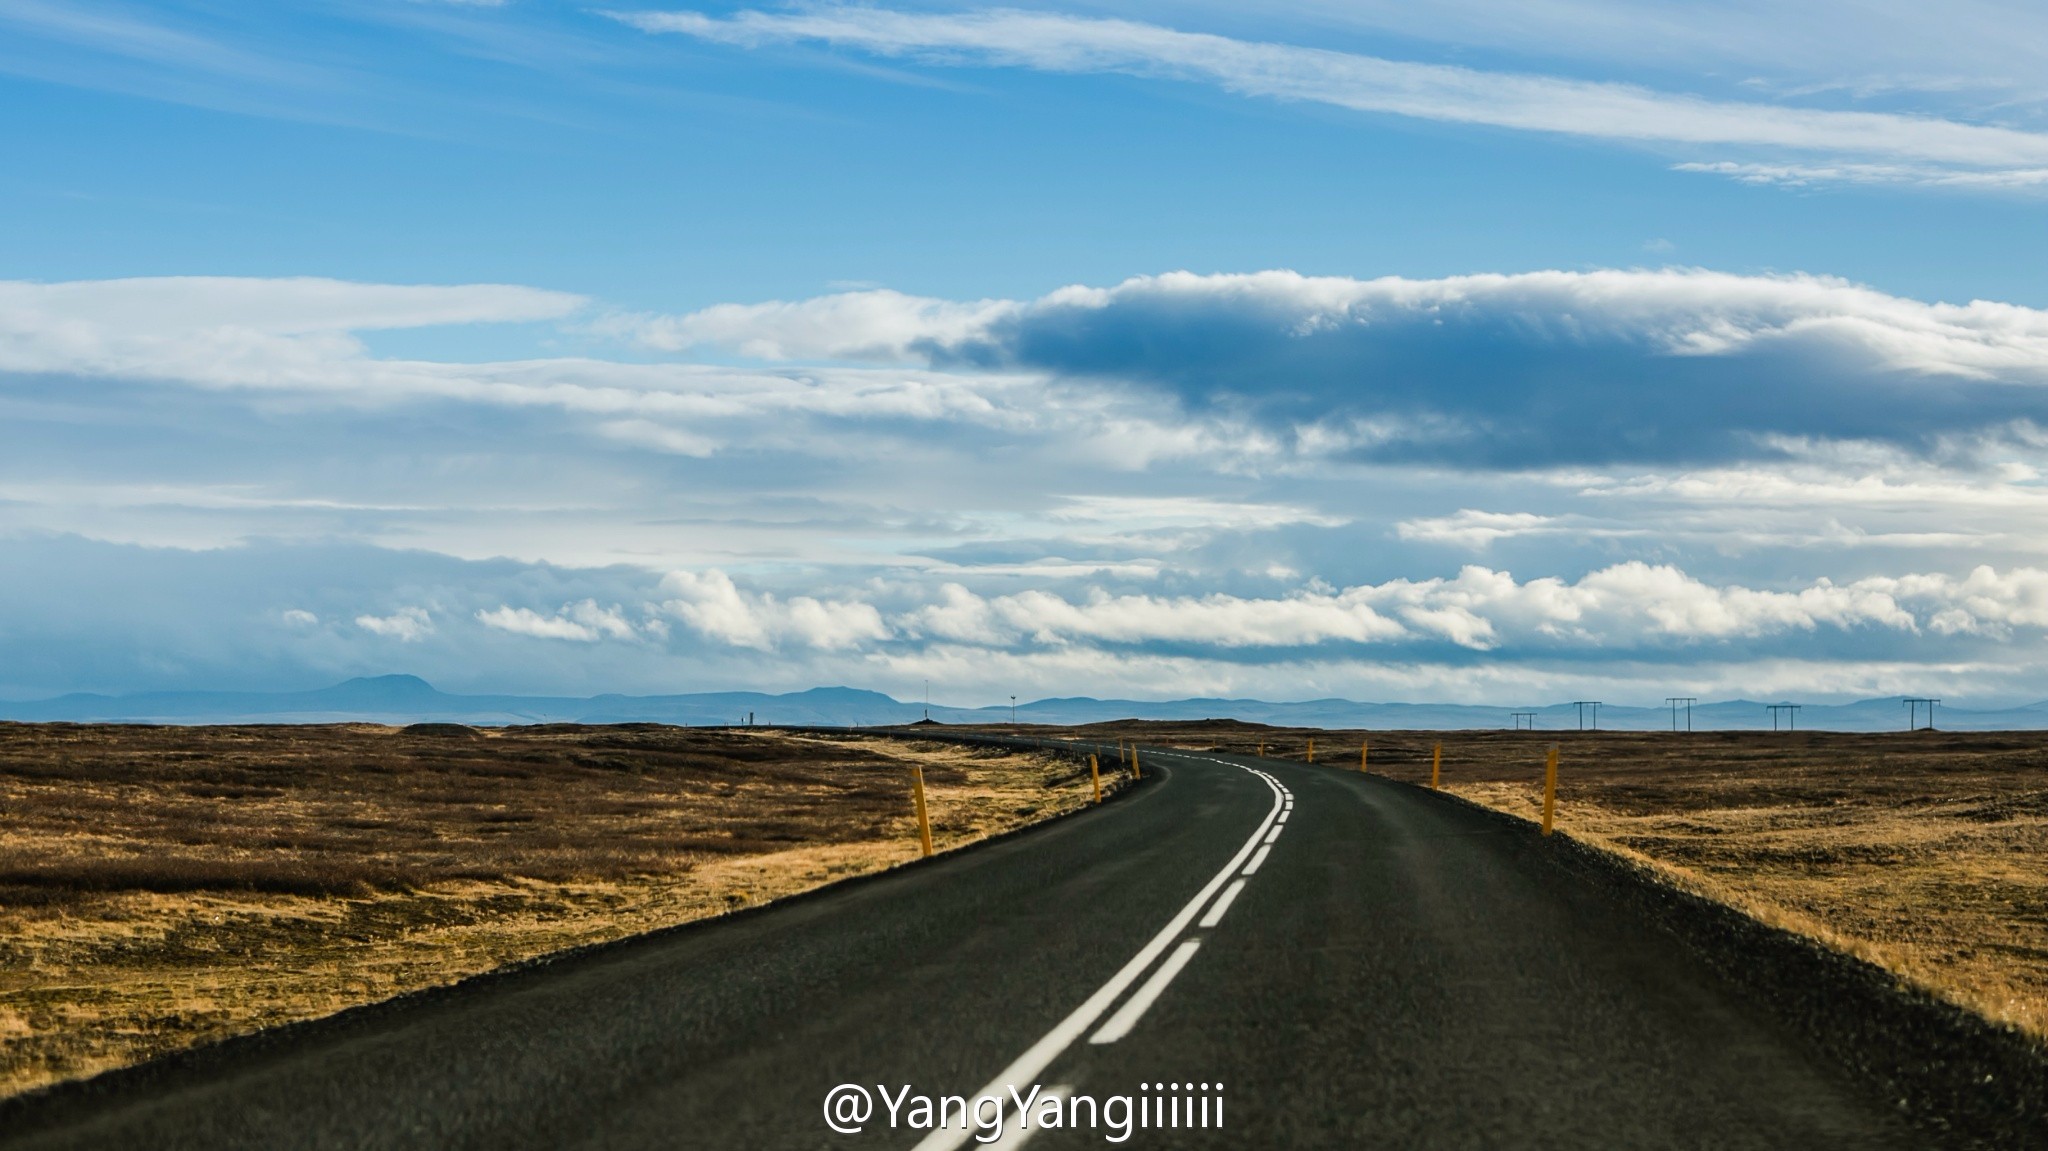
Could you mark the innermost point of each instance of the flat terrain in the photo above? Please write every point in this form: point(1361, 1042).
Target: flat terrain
point(165, 886)
point(1347, 961)
point(1924, 852)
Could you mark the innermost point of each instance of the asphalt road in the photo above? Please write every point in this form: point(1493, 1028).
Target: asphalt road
point(1396, 971)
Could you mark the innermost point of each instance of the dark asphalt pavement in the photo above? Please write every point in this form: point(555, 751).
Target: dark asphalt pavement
point(1399, 972)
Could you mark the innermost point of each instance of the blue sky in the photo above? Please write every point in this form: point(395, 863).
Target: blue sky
point(1465, 351)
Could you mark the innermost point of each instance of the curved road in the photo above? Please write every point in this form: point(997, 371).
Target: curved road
point(1394, 971)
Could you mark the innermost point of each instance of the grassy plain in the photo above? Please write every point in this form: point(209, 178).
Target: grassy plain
point(1923, 852)
point(161, 887)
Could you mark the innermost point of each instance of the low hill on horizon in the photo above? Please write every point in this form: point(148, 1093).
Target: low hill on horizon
point(402, 699)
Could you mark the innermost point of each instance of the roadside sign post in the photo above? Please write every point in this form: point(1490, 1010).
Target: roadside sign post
point(924, 819)
point(1550, 791)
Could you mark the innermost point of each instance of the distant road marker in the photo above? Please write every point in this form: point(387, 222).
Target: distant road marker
point(1550, 790)
point(924, 819)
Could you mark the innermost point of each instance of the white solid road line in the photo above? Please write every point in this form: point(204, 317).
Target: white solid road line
point(1134, 1008)
point(1026, 1068)
point(1222, 904)
point(1252, 868)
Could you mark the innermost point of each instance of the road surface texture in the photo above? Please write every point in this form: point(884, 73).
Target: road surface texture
point(1392, 969)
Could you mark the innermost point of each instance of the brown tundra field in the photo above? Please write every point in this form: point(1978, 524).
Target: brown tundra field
point(161, 887)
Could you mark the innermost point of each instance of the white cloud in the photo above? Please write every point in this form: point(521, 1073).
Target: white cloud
point(1844, 172)
point(409, 625)
point(225, 332)
point(297, 337)
point(1057, 567)
point(300, 618)
point(1984, 602)
point(583, 622)
point(1880, 486)
point(1215, 620)
point(870, 324)
point(1622, 607)
point(660, 437)
point(181, 305)
point(1600, 110)
point(712, 604)
point(1146, 513)
point(1475, 529)
point(1860, 47)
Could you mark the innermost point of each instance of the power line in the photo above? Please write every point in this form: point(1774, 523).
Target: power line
point(1582, 705)
point(1913, 703)
point(1519, 716)
point(1688, 701)
point(1791, 711)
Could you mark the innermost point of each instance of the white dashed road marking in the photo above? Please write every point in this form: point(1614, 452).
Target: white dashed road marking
point(1026, 1068)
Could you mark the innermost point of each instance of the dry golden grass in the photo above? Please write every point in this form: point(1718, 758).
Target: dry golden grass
point(163, 887)
point(1924, 852)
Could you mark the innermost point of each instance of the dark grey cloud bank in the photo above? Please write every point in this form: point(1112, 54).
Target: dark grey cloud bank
point(1501, 371)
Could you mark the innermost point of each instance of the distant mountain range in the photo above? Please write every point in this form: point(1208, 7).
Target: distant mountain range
point(400, 699)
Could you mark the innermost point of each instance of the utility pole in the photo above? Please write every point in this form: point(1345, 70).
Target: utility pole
point(1688, 701)
point(1013, 711)
point(1791, 711)
point(1913, 711)
point(1582, 705)
point(1520, 716)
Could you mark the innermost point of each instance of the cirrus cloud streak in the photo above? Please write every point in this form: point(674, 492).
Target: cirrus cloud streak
point(1892, 145)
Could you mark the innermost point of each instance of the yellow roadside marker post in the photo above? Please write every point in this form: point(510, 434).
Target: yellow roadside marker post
point(924, 819)
point(1436, 766)
point(1311, 749)
point(1364, 750)
point(1550, 791)
point(1262, 749)
point(1095, 770)
point(1136, 771)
